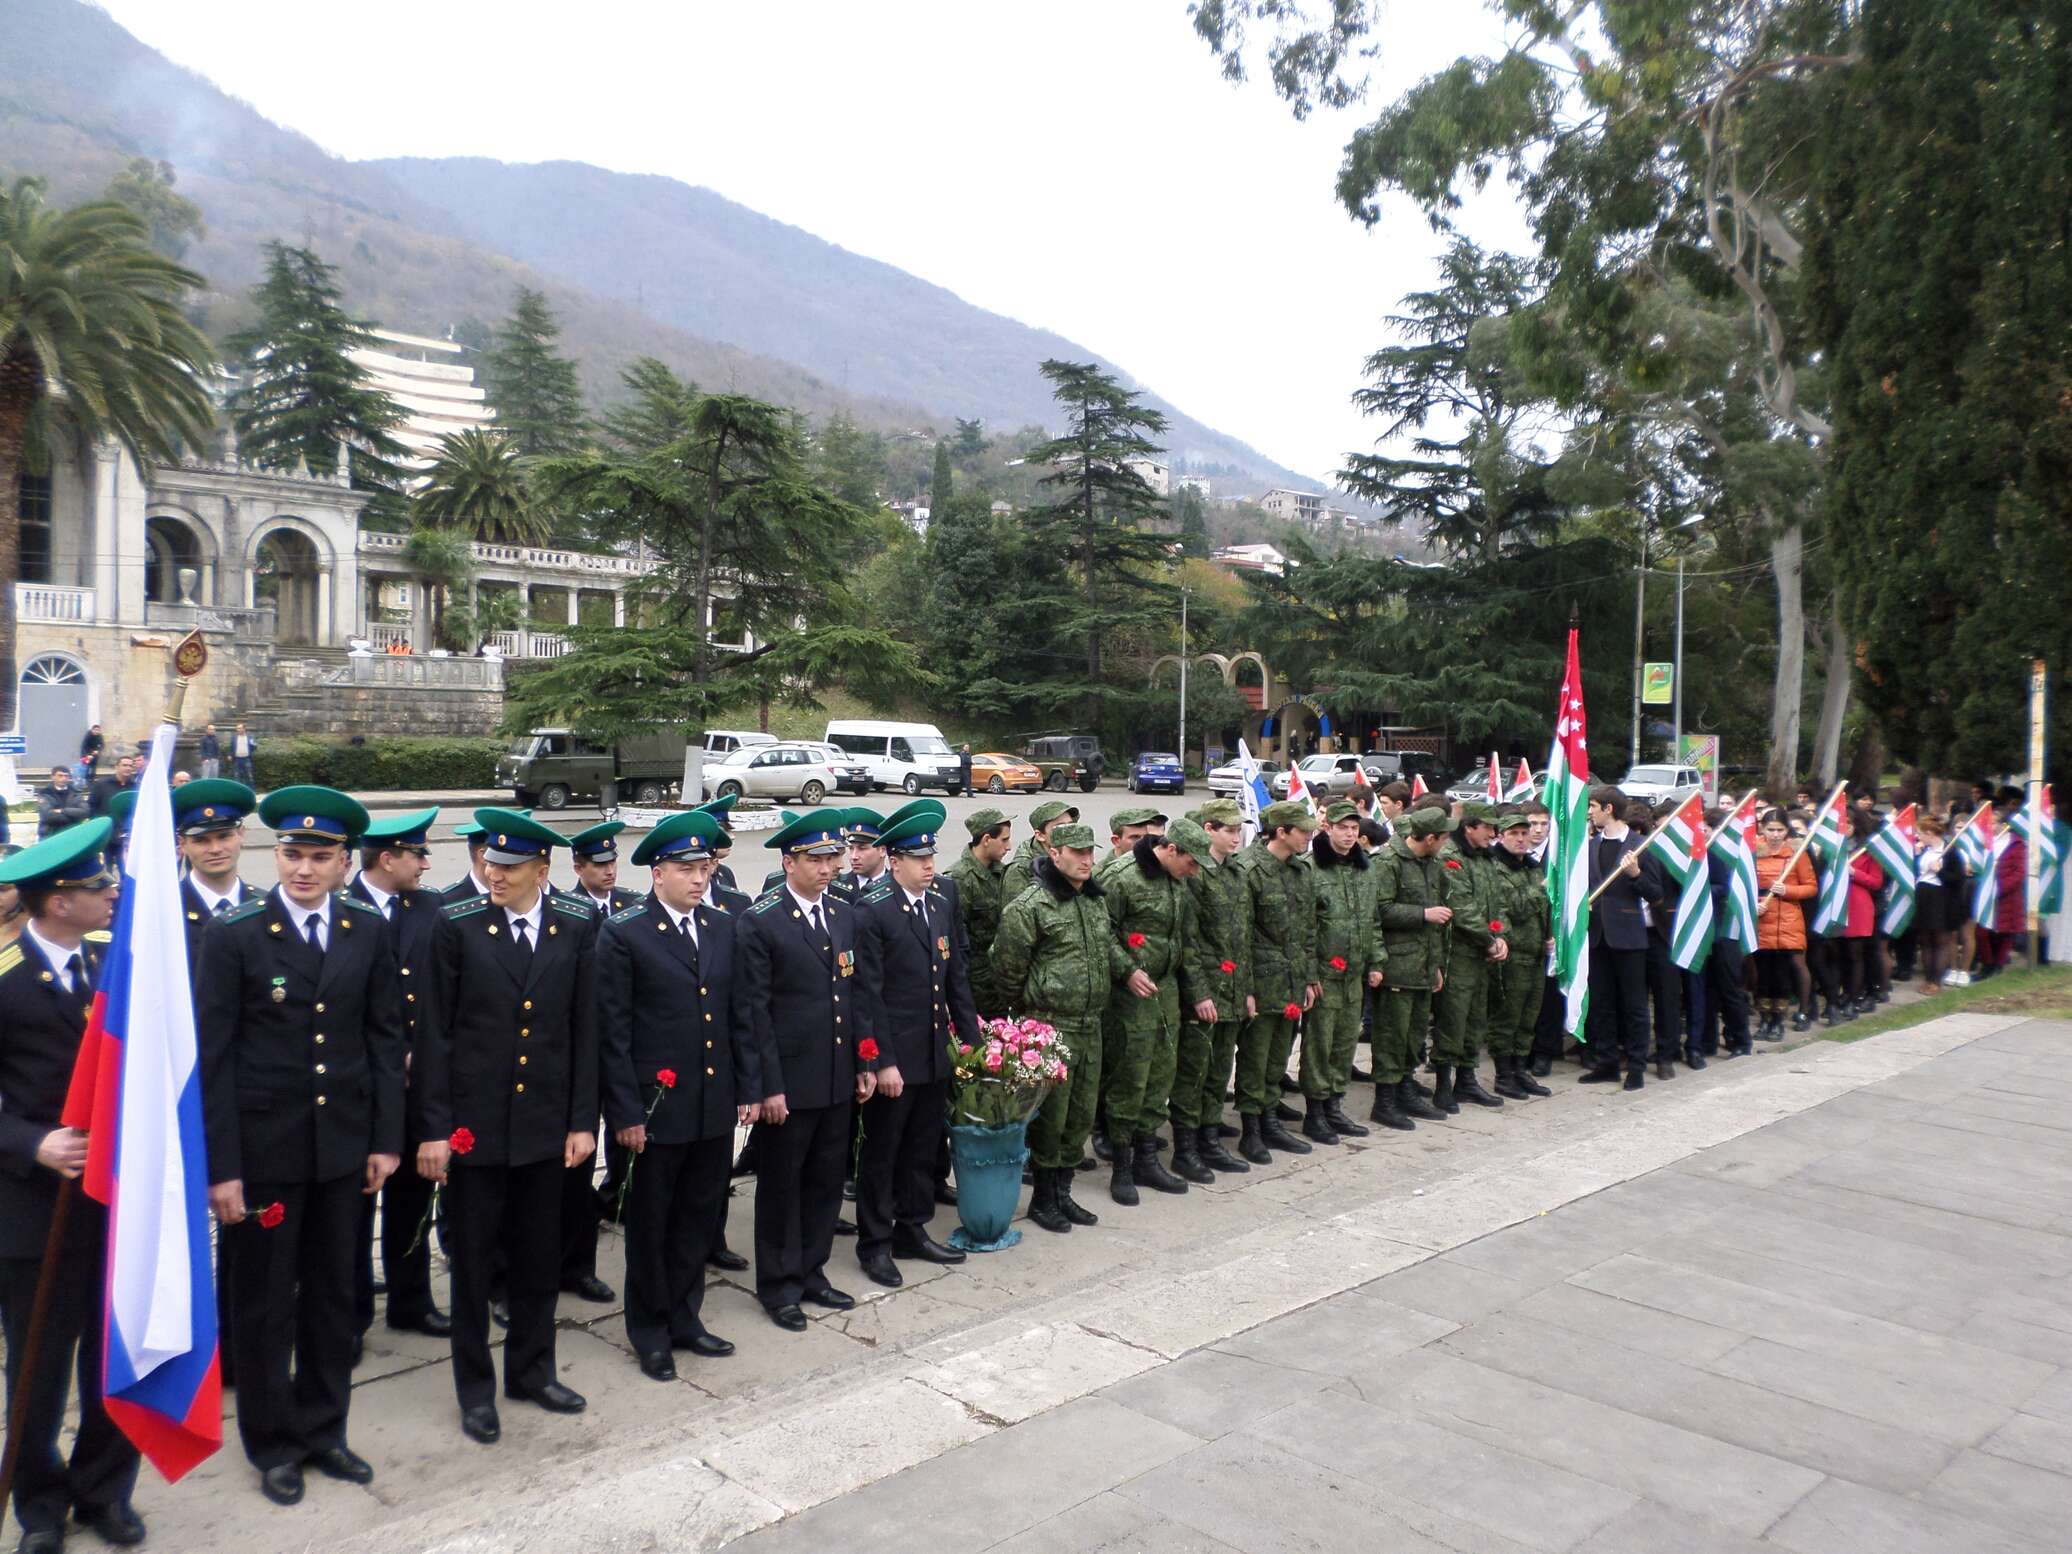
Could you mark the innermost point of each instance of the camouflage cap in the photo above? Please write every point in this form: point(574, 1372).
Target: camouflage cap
point(980, 821)
point(1222, 812)
point(1072, 834)
point(1135, 815)
point(1051, 809)
point(1517, 820)
point(1426, 822)
point(1340, 809)
point(1191, 839)
point(1288, 812)
point(1475, 813)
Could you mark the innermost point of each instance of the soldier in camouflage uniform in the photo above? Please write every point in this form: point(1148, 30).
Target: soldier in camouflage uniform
point(1474, 962)
point(1410, 898)
point(984, 886)
point(1056, 958)
point(1125, 827)
point(1514, 1009)
point(1280, 894)
point(1350, 957)
point(1153, 911)
point(1022, 868)
point(1215, 969)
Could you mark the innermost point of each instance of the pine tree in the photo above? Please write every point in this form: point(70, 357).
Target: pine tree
point(941, 484)
point(971, 439)
point(1193, 514)
point(538, 401)
point(303, 394)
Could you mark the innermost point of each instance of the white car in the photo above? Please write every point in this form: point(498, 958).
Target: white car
point(780, 771)
point(1227, 780)
point(1326, 776)
point(1656, 783)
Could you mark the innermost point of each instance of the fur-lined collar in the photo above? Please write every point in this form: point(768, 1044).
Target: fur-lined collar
point(1329, 857)
point(1048, 877)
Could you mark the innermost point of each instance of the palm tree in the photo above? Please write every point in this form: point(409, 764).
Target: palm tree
point(479, 483)
point(442, 562)
point(92, 344)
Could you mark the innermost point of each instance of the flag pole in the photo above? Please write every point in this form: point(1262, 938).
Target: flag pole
point(1826, 804)
point(189, 657)
point(1653, 837)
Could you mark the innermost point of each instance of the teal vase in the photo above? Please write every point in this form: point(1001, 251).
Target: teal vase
point(989, 1184)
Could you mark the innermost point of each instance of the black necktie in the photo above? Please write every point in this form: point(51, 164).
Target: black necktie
point(690, 936)
point(518, 926)
point(75, 972)
point(921, 911)
point(222, 907)
point(814, 919)
point(388, 909)
point(309, 932)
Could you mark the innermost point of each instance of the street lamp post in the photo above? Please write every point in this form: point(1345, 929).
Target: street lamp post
point(1182, 751)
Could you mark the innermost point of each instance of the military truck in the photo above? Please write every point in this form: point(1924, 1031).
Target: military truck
point(551, 767)
point(1065, 759)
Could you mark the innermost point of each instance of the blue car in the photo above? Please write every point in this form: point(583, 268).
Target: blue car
point(1157, 772)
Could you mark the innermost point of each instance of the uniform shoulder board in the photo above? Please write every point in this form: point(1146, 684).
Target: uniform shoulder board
point(877, 892)
point(627, 914)
point(765, 903)
point(467, 907)
point(10, 957)
point(358, 905)
point(716, 906)
point(243, 910)
point(100, 936)
point(569, 906)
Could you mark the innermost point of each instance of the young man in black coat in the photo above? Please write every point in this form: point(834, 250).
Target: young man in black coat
point(1618, 1020)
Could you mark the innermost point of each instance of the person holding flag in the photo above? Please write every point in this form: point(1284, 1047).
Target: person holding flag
point(1785, 879)
point(48, 978)
point(299, 1006)
point(1999, 904)
point(1730, 867)
point(1624, 885)
point(1689, 933)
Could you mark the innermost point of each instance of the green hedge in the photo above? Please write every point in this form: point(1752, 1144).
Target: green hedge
point(377, 764)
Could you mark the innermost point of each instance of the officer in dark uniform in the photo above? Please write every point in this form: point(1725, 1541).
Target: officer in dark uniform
point(299, 1014)
point(596, 854)
point(507, 1051)
point(794, 981)
point(472, 884)
point(678, 1076)
point(722, 875)
point(393, 857)
point(46, 985)
point(863, 830)
point(913, 999)
point(723, 896)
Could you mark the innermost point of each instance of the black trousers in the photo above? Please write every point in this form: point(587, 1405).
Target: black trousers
point(798, 1198)
point(895, 1169)
point(672, 1219)
point(516, 1209)
point(1665, 987)
point(1618, 1019)
point(404, 1199)
point(1549, 1034)
point(1726, 997)
point(293, 1294)
point(579, 1222)
point(103, 1466)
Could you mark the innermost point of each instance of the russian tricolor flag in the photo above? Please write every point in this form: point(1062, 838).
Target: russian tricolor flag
point(137, 1089)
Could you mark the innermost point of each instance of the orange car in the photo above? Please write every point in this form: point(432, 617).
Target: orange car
point(996, 773)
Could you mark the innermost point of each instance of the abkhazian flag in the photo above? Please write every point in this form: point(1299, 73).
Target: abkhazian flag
point(1681, 839)
point(1735, 842)
point(1830, 843)
point(1993, 841)
point(1417, 787)
point(1974, 839)
point(1521, 782)
point(136, 1089)
point(1495, 782)
point(1895, 846)
point(1253, 795)
point(2039, 817)
point(1298, 790)
point(1360, 777)
point(1568, 845)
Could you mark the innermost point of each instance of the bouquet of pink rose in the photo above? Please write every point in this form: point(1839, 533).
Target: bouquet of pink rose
point(1004, 1078)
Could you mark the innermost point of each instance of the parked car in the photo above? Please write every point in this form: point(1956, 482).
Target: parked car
point(998, 773)
point(550, 767)
point(1065, 759)
point(1474, 788)
point(1227, 780)
point(1656, 783)
point(1157, 771)
point(907, 756)
point(722, 741)
point(1325, 776)
point(777, 771)
point(851, 774)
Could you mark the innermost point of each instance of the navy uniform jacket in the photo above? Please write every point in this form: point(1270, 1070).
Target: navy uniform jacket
point(301, 1053)
point(40, 1030)
point(197, 916)
point(726, 898)
point(913, 987)
point(621, 899)
point(410, 940)
point(509, 1052)
point(463, 889)
point(795, 997)
point(660, 1007)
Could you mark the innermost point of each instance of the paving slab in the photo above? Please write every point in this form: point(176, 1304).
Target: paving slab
point(1845, 1518)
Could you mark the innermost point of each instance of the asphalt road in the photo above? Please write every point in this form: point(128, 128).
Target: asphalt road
point(450, 861)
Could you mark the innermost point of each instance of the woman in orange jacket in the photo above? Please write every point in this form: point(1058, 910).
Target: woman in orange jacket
point(1780, 928)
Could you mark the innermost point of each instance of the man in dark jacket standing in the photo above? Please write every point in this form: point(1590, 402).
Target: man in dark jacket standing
point(91, 744)
point(1618, 1020)
point(60, 803)
point(913, 1000)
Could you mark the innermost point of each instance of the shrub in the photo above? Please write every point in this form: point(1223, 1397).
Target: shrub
point(378, 764)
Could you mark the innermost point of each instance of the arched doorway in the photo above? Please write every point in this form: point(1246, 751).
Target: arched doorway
point(285, 575)
point(170, 547)
point(54, 711)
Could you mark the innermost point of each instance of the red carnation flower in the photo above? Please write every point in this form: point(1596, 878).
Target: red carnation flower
point(1338, 963)
point(1453, 863)
point(1496, 925)
point(666, 1078)
point(1135, 941)
point(1228, 968)
point(272, 1215)
point(1293, 1011)
point(462, 1141)
point(867, 1049)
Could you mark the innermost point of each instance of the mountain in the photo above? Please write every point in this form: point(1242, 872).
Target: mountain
point(634, 265)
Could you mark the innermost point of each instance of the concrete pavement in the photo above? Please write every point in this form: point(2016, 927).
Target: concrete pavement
point(1815, 1300)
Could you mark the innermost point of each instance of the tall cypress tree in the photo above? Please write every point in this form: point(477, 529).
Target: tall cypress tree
point(539, 403)
point(303, 394)
point(941, 484)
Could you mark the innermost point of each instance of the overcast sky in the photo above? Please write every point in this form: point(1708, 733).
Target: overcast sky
point(1075, 164)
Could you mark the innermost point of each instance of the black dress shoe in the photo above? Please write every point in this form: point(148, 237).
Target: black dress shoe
point(343, 1464)
point(925, 1248)
point(359, 1347)
point(723, 1257)
point(659, 1366)
point(282, 1485)
point(1694, 1061)
point(1636, 1080)
point(845, 1227)
point(707, 1346)
point(882, 1270)
point(44, 1540)
point(1665, 1069)
point(117, 1523)
point(480, 1424)
point(434, 1324)
point(592, 1289)
point(830, 1297)
point(790, 1318)
point(1283, 1112)
point(500, 1312)
point(553, 1397)
point(1542, 1067)
point(1599, 1076)
point(849, 1191)
point(946, 1195)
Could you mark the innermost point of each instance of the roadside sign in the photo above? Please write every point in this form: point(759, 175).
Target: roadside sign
point(13, 744)
point(1702, 752)
point(1657, 684)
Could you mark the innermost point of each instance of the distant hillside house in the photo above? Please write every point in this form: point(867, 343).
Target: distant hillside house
point(1252, 558)
point(1305, 508)
point(1157, 476)
point(1198, 484)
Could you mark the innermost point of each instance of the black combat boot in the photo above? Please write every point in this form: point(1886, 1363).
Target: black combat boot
point(1415, 1104)
point(1070, 1206)
point(1286, 1113)
point(1507, 1084)
point(1151, 1170)
point(1467, 1085)
point(1122, 1177)
point(1209, 1147)
point(1522, 1076)
point(1442, 1092)
point(1388, 1108)
point(1187, 1161)
point(1316, 1125)
point(1103, 1150)
point(1274, 1136)
point(1334, 1113)
point(1249, 1143)
point(1043, 1206)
